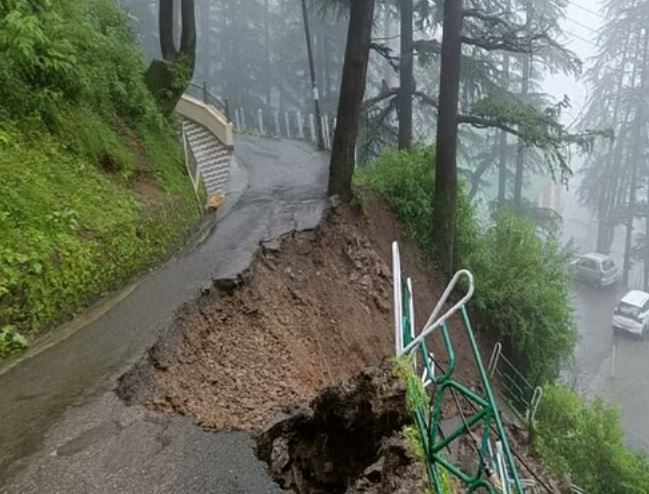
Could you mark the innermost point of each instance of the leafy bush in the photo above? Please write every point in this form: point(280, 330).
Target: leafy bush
point(521, 282)
point(406, 180)
point(11, 341)
point(586, 440)
point(522, 293)
point(93, 185)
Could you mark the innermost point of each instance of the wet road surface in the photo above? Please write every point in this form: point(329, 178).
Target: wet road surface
point(62, 427)
point(614, 368)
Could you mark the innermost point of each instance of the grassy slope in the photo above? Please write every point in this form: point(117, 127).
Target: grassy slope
point(93, 187)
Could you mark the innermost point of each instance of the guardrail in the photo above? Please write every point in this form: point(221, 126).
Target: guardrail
point(496, 470)
point(287, 124)
point(520, 394)
point(201, 92)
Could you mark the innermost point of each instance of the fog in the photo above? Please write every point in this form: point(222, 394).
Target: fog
point(252, 55)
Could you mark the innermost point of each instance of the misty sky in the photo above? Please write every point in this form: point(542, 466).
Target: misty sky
point(581, 26)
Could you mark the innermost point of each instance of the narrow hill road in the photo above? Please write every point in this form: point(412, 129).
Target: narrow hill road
point(64, 430)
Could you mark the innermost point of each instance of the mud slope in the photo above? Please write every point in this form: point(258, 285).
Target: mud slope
point(316, 309)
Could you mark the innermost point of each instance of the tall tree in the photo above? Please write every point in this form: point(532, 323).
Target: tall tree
point(352, 89)
point(406, 76)
point(613, 175)
point(445, 199)
point(520, 155)
point(482, 30)
point(168, 78)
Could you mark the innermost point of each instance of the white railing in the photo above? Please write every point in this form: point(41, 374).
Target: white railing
point(288, 124)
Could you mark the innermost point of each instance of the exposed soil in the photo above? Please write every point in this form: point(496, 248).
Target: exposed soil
point(316, 310)
point(347, 441)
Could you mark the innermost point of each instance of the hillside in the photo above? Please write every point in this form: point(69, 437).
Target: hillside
point(93, 183)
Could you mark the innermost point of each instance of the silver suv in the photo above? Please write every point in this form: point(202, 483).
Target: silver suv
point(596, 269)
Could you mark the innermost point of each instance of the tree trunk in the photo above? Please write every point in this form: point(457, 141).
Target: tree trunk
point(646, 243)
point(162, 75)
point(502, 142)
point(445, 199)
point(352, 89)
point(406, 82)
point(267, 60)
point(188, 35)
point(638, 141)
point(629, 219)
point(166, 29)
point(610, 180)
point(520, 156)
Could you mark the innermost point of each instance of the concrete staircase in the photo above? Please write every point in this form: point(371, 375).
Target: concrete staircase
point(209, 143)
point(212, 157)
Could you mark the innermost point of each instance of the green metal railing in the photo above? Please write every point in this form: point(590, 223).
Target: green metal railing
point(496, 470)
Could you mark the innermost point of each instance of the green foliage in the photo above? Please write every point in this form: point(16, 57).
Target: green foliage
point(11, 341)
point(539, 128)
point(523, 293)
point(406, 179)
point(93, 184)
point(416, 396)
point(586, 440)
point(522, 285)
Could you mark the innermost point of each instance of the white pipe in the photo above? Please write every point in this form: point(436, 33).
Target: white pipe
point(287, 120)
point(396, 289)
point(432, 324)
point(278, 129)
point(237, 119)
point(312, 127)
point(300, 122)
point(260, 117)
point(243, 119)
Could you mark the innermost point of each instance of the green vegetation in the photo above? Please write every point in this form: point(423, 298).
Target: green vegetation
point(417, 399)
point(521, 281)
point(11, 341)
point(586, 440)
point(93, 184)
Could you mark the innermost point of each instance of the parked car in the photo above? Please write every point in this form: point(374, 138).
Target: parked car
point(596, 269)
point(632, 314)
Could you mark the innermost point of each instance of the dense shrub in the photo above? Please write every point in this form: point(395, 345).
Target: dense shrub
point(521, 282)
point(93, 184)
point(585, 439)
point(522, 293)
point(406, 180)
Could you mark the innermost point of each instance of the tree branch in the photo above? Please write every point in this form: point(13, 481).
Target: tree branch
point(385, 52)
point(380, 97)
point(485, 123)
point(426, 99)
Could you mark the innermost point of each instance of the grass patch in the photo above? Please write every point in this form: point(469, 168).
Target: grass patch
point(586, 440)
point(94, 187)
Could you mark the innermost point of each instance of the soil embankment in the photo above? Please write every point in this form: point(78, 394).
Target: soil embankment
point(314, 309)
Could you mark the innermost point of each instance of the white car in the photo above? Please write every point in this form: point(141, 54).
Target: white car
point(596, 269)
point(632, 314)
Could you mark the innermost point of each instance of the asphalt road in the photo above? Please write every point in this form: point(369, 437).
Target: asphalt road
point(64, 430)
point(611, 367)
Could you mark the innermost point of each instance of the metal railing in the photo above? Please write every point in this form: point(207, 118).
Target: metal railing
point(202, 92)
point(496, 471)
point(523, 398)
point(287, 124)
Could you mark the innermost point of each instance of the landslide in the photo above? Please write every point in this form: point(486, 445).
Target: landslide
point(297, 352)
point(314, 309)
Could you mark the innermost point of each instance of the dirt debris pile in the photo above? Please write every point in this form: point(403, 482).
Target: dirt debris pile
point(347, 441)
